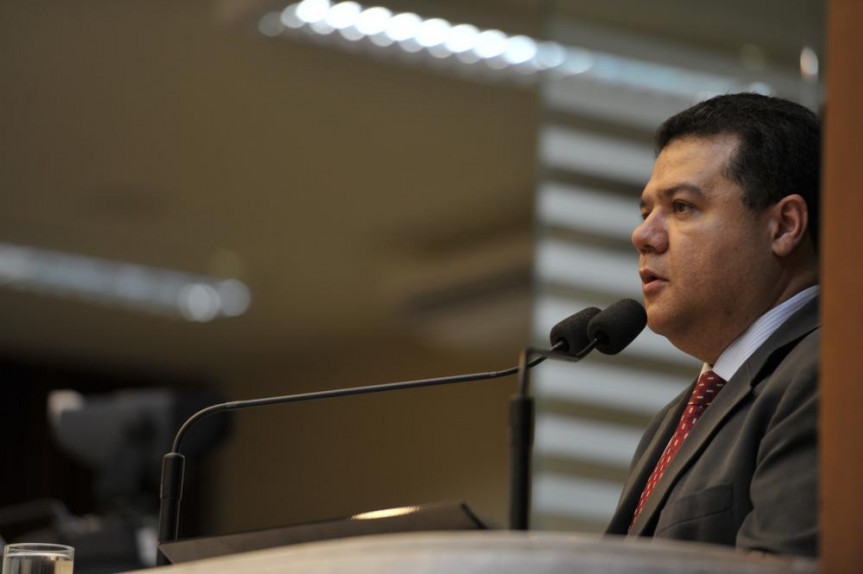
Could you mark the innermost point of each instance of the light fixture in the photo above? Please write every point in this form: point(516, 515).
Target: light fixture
point(809, 64)
point(486, 54)
point(194, 297)
point(378, 27)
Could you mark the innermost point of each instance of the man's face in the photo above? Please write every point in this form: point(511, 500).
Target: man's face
point(705, 259)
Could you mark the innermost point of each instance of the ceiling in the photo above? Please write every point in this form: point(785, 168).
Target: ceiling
point(347, 194)
point(352, 196)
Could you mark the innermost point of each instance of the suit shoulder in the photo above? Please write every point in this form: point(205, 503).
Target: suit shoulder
point(803, 354)
point(794, 376)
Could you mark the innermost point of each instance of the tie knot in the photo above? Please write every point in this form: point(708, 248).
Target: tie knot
point(708, 386)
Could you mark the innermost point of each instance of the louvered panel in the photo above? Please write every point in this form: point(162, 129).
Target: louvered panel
point(588, 267)
point(586, 210)
point(597, 442)
point(609, 385)
point(594, 154)
point(557, 495)
point(642, 109)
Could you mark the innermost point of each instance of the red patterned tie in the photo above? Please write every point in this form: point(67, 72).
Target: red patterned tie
point(708, 386)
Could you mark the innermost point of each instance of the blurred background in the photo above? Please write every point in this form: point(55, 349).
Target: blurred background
point(224, 199)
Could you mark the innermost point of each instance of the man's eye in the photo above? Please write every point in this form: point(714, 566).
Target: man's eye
point(680, 207)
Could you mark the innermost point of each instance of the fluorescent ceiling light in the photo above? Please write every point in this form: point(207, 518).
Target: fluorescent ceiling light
point(489, 54)
point(191, 296)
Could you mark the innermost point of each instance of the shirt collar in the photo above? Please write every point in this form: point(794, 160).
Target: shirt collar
point(733, 357)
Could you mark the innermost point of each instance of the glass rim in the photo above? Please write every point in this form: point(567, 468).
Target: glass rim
point(38, 547)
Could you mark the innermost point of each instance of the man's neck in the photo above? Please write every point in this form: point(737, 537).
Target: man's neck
point(787, 287)
point(735, 354)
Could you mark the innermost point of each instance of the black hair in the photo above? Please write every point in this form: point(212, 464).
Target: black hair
point(778, 152)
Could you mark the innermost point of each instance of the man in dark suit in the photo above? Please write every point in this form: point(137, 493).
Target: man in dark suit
point(728, 261)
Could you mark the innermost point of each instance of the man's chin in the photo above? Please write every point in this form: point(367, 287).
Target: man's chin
point(657, 321)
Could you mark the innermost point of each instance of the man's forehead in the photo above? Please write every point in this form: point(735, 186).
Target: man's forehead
point(692, 164)
point(695, 152)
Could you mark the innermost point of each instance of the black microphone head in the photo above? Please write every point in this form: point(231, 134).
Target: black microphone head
point(573, 331)
point(617, 326)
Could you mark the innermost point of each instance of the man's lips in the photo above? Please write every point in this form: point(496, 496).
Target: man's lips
point(650, 280)
point(648, 276)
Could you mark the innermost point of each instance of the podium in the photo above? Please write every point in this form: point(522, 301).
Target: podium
point(441, 516)
point(501, 552)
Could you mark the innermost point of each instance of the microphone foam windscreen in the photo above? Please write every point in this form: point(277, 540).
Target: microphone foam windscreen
point(573, 331)
point(617, 326)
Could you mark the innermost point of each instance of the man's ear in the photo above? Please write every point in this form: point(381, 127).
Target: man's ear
point(789, 221)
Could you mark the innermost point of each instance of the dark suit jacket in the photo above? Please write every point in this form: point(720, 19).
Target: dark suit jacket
point(747, 474)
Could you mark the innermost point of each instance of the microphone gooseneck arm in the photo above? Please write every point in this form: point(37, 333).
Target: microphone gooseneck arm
point(608, 331)
point(234, 405)
point(526, 353)
point(521, 427)
point(173, 463)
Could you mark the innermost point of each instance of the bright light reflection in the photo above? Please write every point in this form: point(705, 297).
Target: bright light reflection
point(403, 26)
point(131, 280)
point(311, 11)
point(373, 21)
point(290, 19)
point(322, 27)
point(551, 55)
point(519, 49)
point(351, 34)
point(808, 64)
point(468, 57)
point(410, 45)
point(381, 40)
point(439, 51)
point(199, 302)
point(343, 15)
point(235, 297)
point(461, 38)
point(15, 264)
point(432, 32)
point(195, 297)
point(520, 56)
point(490, 44)
point(388, 513)
point(577, 61)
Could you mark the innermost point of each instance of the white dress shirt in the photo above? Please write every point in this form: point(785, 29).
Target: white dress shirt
point(733, 357)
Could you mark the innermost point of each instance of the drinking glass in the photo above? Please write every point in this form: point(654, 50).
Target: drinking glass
point(32, 558)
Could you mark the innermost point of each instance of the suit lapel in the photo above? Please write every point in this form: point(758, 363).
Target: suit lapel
point(734, 392)
point(731, 395)
point(643, 467)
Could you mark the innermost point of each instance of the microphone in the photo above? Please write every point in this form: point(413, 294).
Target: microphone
point(609, 331)
point(573, 331)
point(570, 331)
point(617, 326)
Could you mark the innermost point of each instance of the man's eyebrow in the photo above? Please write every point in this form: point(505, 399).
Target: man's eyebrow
point(681, 187)
point(673, 190)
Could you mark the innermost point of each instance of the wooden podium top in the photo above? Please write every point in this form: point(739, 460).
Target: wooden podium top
point(495, 552)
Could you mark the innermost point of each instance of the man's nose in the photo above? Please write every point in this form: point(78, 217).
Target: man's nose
point(650, 236)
